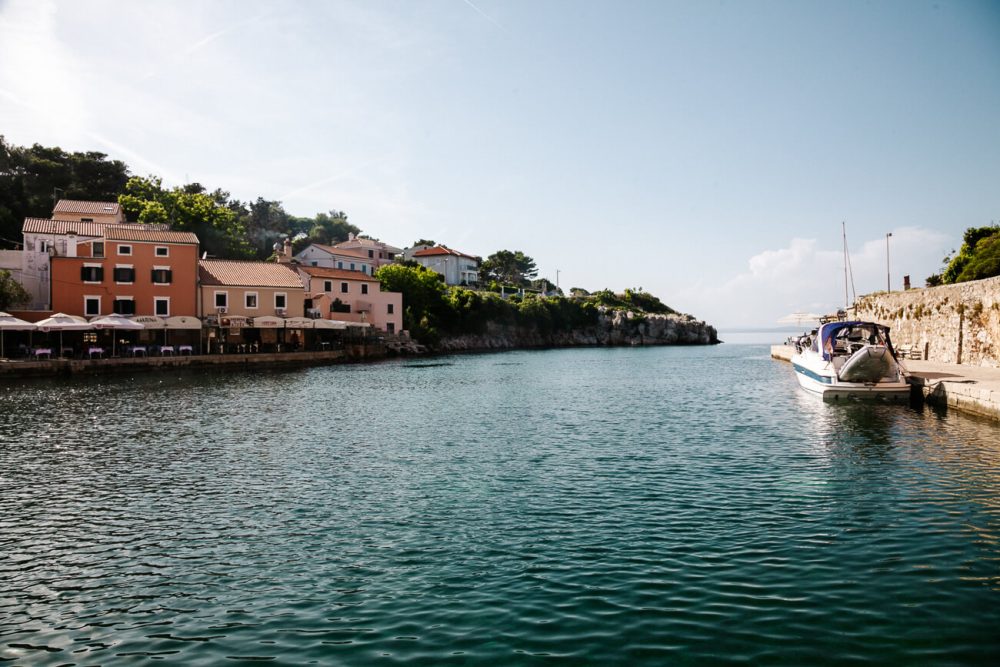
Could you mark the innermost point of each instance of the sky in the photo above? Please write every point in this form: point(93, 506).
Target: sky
point(707, 152)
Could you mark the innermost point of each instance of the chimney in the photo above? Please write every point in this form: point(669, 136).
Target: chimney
point(71, 244)
point(351, 236)
point(285, 256)
point(906, 282)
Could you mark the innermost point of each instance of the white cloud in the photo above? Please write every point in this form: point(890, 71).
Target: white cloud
point(805, 277)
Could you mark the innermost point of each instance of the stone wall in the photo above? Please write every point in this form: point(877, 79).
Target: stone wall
point(614, 327)
point(955, 324)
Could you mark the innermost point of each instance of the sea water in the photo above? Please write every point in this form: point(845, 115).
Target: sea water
point(654, 506)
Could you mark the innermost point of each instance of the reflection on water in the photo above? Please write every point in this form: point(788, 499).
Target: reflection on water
point(647, 506)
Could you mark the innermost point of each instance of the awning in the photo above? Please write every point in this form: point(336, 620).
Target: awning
point(182, 322)
point(149, 321)
point(268, 322)
point(299, 323)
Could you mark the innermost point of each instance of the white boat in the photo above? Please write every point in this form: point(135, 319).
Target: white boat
point(851, 359)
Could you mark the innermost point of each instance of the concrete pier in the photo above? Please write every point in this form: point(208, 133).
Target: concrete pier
point(972, 389)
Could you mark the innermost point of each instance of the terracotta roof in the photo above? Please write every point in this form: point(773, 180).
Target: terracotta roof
point(247, 274)
point(340, 274)
point(77, 206)
point(144, 233)
point(440, 250)
point(334, 250)
point(96, 229)
point(368, 243)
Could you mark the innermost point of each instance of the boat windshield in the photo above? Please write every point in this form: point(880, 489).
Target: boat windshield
point(845, 337)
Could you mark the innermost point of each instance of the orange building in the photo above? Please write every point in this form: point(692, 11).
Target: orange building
point(129, 270)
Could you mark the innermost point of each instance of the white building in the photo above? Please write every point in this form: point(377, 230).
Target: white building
point(332, 257)
point(377, 252)
point(456, 267)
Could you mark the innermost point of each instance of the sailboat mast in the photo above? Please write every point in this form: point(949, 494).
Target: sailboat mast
point(843, 226)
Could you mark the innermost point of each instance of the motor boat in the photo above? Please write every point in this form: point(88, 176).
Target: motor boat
point(850, 359)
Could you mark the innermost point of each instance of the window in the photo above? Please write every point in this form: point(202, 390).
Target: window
point(43, 245)
point(92, 273)
point(86, 219)
point(124, 305)
point(390, 327)
point(352, 266)
point(364, 288)
point(124, 274)
point(343, 288)
point(315, 263)
point(371, 253)
point(221, 299)
point(340, 265)
point(161, 306)
point(339, 306)
point(162, 275)
point(91, 306)
point(124, 250)
point(389, 308)
point(162, 251)
point(97, 249)
point(250, 299)
point(327, 285)
point(391, 256)
point(280, 300)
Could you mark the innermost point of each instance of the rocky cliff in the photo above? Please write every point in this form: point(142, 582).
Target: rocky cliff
point(613, 328)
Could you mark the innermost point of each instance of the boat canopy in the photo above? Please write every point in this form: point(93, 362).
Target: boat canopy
point(878, 332)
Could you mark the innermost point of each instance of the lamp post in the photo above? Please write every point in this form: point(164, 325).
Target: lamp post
point(888, 284)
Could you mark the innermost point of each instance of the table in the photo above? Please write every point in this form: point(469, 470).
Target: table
point(324, 344)
point(43, 351)
point(137, 350)
point(166, 349)
point(99, 351)
point(181, 349)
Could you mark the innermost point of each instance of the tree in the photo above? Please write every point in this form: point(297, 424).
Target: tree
point(12, 293)
point(188, 208)
point(971, 239)
point(426, 242)
point(509, 267)
point(423, 294)
point(31, 179)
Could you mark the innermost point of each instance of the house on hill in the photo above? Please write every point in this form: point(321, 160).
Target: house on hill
point(457, 267)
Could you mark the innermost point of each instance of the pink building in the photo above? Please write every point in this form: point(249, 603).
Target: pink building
point(351, 296)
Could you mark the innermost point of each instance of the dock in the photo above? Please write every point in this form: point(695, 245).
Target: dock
point(971, 389)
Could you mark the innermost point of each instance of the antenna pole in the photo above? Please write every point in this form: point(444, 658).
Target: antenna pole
point(843, 226)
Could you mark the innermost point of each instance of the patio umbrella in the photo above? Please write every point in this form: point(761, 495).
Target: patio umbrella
point(62, 322)
point(14, 324)
point(118, 322)
point(798, 318)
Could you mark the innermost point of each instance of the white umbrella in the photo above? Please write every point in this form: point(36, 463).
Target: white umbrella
point(798, 318)
point(62, 322)
point(329, 324)
point(299, 323)
point(115, 322)
point(182, 322)
point(8, 321)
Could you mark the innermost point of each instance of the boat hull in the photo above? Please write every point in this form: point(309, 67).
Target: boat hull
point(827, 385)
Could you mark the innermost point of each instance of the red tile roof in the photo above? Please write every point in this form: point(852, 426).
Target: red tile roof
point(339, 274)
point(143, 233)
point(437, 251)
point(247, 274)
point(367, 243)
point(333, 250)
point(77, 206)
point(97, 229)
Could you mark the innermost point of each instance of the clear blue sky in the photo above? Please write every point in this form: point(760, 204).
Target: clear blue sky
point(706, 151)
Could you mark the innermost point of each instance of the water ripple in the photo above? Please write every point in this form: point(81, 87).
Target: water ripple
point(582, 507)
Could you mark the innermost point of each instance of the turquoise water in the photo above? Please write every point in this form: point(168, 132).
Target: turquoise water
point(591, 506)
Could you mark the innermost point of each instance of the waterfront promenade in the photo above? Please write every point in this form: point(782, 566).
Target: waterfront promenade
point(973, 389)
